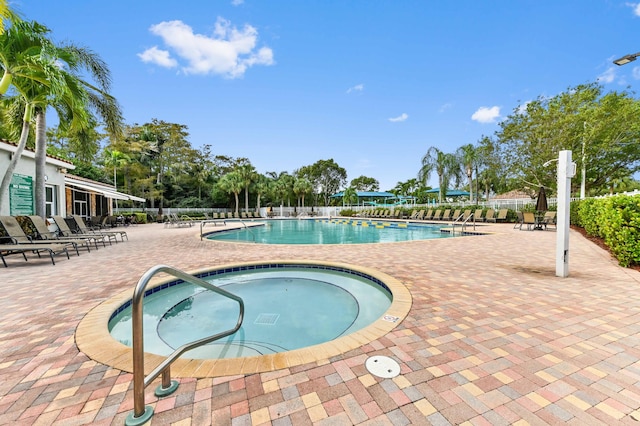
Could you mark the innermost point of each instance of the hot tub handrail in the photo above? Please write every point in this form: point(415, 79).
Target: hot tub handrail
point(142, 414)
point(216, 221)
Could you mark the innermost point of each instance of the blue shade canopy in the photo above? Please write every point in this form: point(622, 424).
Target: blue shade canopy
point(371, 194)
point(449, 192)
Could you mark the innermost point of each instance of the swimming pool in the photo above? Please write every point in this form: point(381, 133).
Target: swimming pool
point(286, 308)
point(334, 231)
point(94, 339)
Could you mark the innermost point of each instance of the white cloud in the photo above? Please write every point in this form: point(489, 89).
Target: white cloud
point(636, 73)
point(635, 7)
point(608, 76)
point(229, 51)
point(486, 114)
point(401, 117)
point(445, 107)
point(236, 2)
point(356, 88)
point(159, 57)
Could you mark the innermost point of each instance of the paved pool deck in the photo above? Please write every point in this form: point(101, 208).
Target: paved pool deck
point(493, 337)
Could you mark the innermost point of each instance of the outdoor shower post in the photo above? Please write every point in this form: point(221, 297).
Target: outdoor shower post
point(566, 170)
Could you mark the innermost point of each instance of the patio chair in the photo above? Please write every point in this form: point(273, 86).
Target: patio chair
point(84, 229)
point(529, 219)
point(456, 215)
point(420, 215)
point(17, 236)
point(43, 233)
point(549, 219)
point(502, 215)
point(446, 215)
point(65, 231)
point(519, 220)
point(429, 215)
point(51, 248)
point(466, 214)
point(437, 215)
point(490, 216)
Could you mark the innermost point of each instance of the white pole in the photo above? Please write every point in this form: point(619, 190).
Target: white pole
point(566, 170)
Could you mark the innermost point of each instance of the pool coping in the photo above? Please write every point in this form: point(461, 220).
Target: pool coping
point(94, 340)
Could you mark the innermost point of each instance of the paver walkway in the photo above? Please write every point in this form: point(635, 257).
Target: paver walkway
point(493, 337)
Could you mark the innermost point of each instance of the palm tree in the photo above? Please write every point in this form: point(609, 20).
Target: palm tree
point(28, 70)
point(75, 101)
point(301, 187)
point(116, 159)
point(468, 156)
point(349, 196)
point(262, 186)
point(232, 183)
point(445, 166)
point(248, 174)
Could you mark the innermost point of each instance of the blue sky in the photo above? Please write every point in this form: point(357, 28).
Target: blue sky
point(370, 83)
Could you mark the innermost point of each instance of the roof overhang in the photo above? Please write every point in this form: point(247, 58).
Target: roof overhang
point(101, 189)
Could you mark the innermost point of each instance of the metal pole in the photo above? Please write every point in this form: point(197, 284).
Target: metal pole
point(583, 180)
point(566, 170)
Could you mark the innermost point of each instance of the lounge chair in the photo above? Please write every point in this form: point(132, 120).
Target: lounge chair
point(549, 219)
point(43, 232)
point(490, 216)
point(420, 215)
point(446, 215)
point(502, 215)
point(466, 214)
point(437, 215)
point(84, 229)
point(477, 215)
point(65, 231)
point(456, 215)
point(51, 248)
point(519, 220)
point(529, 220)
point(17, 236)
point(429, 215)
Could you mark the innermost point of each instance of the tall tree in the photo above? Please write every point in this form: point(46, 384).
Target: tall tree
point(75, 100)
point(444, 164)
point(468, 156)
point(248, 174)
point(326, 176)
point(232, 183)
point(29, 72)
point(365, 183)
point(302, 187)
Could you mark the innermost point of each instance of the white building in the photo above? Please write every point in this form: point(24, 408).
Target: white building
point(65, 194)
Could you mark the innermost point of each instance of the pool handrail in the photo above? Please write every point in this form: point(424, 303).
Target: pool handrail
point(464, 223)
point(141, 413)
point(204, 222)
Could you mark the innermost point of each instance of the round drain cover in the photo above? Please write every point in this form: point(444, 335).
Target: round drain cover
point(382, 366)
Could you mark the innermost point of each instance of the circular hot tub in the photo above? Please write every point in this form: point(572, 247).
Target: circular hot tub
point(295, 312)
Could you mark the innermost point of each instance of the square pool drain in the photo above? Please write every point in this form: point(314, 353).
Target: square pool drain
point(267, 319)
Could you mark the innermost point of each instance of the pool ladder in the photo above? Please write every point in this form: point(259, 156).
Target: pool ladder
point(463, 224)
point(141, 413)
point(224, 222)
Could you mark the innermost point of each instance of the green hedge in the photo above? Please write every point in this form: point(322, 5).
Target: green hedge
point(617, 221)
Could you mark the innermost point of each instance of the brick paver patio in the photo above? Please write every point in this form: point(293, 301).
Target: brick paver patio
point(493, 337)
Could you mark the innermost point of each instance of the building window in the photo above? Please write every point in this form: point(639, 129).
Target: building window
point(51, 200)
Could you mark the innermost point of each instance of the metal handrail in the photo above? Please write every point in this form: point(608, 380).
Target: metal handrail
point(249, 229)
point(202, 223)
point(142, 413)
point(463, 224)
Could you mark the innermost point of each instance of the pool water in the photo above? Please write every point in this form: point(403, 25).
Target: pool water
point(335, 231)
point(285, 309)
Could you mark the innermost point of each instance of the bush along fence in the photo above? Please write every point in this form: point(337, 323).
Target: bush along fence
point(614, 219)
